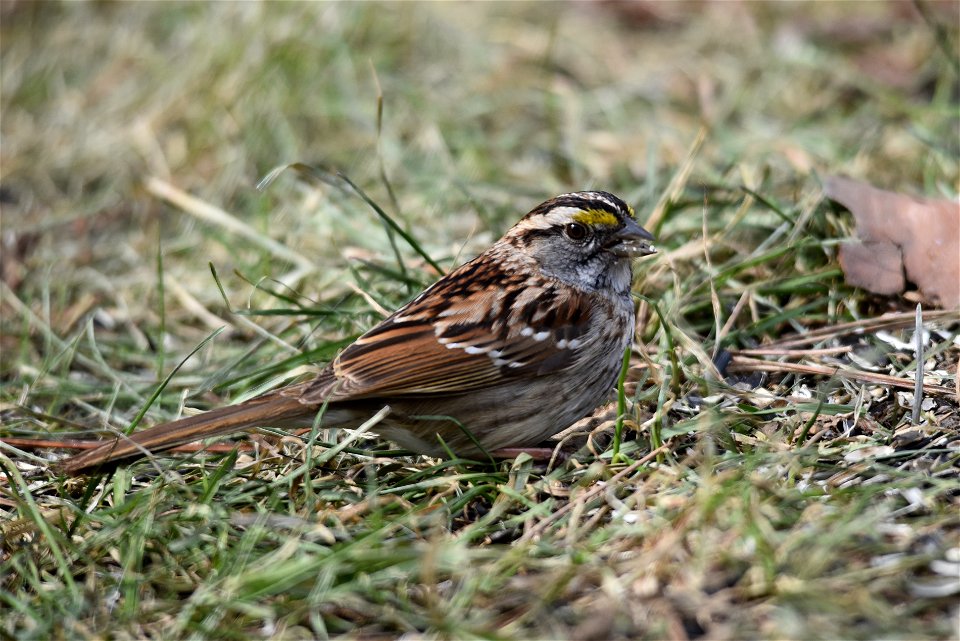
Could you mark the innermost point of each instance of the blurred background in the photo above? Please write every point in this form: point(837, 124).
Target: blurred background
point(487, 109)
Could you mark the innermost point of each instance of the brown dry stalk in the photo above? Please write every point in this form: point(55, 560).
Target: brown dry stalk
point(779, 351)
point(887, 321)
point(744, 364)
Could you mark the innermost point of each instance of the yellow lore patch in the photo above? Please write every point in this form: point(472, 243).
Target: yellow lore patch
point(596, 218)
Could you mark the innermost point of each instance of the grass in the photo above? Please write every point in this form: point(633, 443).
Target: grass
point(143, 273)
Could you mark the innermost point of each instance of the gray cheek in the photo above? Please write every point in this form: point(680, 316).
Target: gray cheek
point(582, 265)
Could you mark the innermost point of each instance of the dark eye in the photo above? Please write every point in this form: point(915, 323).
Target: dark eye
point(575, 231)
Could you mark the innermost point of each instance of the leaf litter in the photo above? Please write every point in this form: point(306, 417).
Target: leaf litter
point(901, 238)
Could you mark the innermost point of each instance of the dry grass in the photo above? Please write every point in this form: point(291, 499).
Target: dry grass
point(788, 494)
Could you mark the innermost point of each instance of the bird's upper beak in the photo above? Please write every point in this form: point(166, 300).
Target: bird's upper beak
point(632, 240)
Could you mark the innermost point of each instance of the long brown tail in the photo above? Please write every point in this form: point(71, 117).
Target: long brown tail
point(270, 409)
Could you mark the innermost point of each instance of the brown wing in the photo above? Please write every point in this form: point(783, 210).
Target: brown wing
point(454, 337)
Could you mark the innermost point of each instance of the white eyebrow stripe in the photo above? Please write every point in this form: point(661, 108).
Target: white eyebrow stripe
point(554, 218)
point(592, 195)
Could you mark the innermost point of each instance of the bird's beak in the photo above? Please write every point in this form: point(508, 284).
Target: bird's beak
point(632, 240)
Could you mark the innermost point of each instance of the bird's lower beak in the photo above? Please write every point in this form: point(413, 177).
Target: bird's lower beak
point(632, 240)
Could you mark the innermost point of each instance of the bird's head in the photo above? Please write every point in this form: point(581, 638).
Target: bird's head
point(585, 238)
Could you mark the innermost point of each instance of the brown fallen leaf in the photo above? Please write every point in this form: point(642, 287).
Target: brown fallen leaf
point(901, 238)
point(647, 14)
point(874, 266)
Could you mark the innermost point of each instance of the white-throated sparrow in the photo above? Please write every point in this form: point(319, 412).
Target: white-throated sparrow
point(512, 347)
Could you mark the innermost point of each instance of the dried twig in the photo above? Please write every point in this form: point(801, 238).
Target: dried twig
point(779, 351)
point(744, 364)
point(887, 321)
point(918, 378)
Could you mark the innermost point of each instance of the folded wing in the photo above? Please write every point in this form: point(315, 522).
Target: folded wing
point(455, 337)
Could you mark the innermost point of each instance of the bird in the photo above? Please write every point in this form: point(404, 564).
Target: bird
point(505, 351)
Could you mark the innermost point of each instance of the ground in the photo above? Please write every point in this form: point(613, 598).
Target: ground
point(761, 478)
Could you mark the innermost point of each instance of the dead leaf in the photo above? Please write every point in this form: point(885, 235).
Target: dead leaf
point(645, 14)
point(874, 266)
point(901, 238)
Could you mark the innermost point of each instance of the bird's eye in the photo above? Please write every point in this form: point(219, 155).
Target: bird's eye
point(575, 231)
